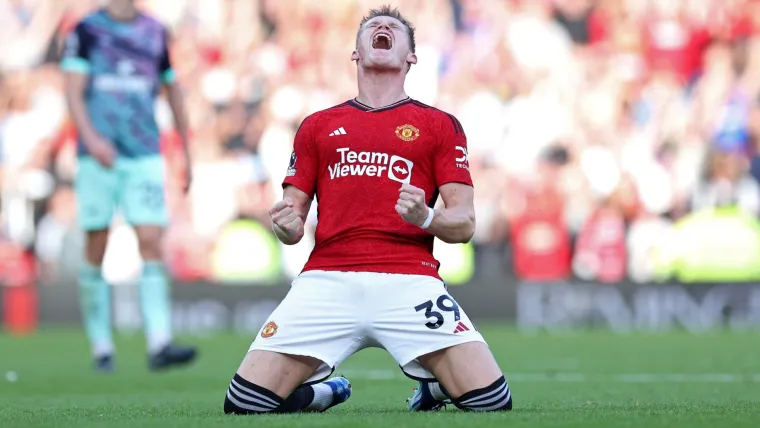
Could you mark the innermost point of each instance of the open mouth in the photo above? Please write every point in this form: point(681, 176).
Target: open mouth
point(382, 41)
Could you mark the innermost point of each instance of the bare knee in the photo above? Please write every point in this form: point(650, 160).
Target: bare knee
point(97, 240)
point(469, 375)
point(266, 382)
point(279, 373)
point(463, 368)
point(150, 239)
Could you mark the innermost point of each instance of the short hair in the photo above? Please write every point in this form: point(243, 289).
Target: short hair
point(393, 13)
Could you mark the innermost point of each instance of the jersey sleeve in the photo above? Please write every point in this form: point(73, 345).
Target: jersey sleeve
point(168, 76)
point(76, 53)
point(450, 162)
point(303, 166)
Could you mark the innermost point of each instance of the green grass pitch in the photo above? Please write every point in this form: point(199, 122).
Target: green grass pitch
point(590, 379)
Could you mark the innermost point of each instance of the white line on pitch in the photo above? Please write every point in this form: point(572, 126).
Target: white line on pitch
point(680, 377)
point(382, 374)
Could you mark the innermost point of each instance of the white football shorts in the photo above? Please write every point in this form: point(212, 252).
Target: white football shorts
point(332, 315)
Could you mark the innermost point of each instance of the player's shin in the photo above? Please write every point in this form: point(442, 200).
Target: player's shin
point(428, 396)
point(302, 399)
point(494, 397)
point(95, 299)
point(438, 391)
point(320, 399)
point(155, 301)
point(245, 398)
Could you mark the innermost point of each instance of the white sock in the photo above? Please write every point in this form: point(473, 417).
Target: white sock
point(102, 349)
point(157, 341)
point(437, 392)
point(323, 397)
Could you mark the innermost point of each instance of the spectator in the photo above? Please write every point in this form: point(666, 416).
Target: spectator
point(539, 235)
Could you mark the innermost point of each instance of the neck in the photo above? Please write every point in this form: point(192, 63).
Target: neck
point(121, 12)
point(378, 88)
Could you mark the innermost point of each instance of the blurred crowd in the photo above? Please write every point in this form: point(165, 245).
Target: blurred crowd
point(607, 138)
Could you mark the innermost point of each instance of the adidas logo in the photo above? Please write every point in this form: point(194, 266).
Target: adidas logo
point(460, 328)
point(339, 131)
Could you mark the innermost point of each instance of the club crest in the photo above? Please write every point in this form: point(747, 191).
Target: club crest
point(407, 132)
point(269, 330)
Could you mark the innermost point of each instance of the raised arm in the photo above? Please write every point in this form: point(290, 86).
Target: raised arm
point(289, 214)
point(456, 222)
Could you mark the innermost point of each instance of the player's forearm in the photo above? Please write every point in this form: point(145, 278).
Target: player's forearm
point(81, 118)
point(177, 105)
point(454, 225)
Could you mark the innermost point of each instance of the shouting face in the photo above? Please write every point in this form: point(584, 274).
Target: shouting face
point(383, 43)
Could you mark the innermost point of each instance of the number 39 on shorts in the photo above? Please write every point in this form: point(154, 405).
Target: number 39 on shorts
point(444, 303)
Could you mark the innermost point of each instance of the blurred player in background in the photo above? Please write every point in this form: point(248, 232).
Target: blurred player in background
point(376, 165)
point(116, 61)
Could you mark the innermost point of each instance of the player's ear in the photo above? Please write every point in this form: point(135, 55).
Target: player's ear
point(411, 58)
point(355, 56)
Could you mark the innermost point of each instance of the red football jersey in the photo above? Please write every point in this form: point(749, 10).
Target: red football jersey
point(354, 159)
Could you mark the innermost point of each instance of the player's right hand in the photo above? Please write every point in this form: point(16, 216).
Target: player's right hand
point(102, 151)
point(285, 218)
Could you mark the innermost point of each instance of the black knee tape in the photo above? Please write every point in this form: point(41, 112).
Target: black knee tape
point(494, 397)
point(246, 398)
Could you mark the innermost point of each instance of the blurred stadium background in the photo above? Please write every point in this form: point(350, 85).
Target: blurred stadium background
point(613, 145)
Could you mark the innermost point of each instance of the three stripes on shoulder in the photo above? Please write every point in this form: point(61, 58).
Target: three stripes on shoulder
point(339, 131)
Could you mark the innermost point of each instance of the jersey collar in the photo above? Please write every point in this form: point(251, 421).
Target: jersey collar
point(363, 107)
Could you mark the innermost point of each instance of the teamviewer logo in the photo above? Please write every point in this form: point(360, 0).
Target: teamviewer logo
point(400, 169)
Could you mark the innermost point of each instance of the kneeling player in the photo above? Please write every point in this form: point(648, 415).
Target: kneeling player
point(376, 164)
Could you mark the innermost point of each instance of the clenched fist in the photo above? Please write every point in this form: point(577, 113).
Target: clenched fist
point(411, 205)
point(286, 219)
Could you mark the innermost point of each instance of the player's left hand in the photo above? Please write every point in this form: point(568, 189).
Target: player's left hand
point(411, 204)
